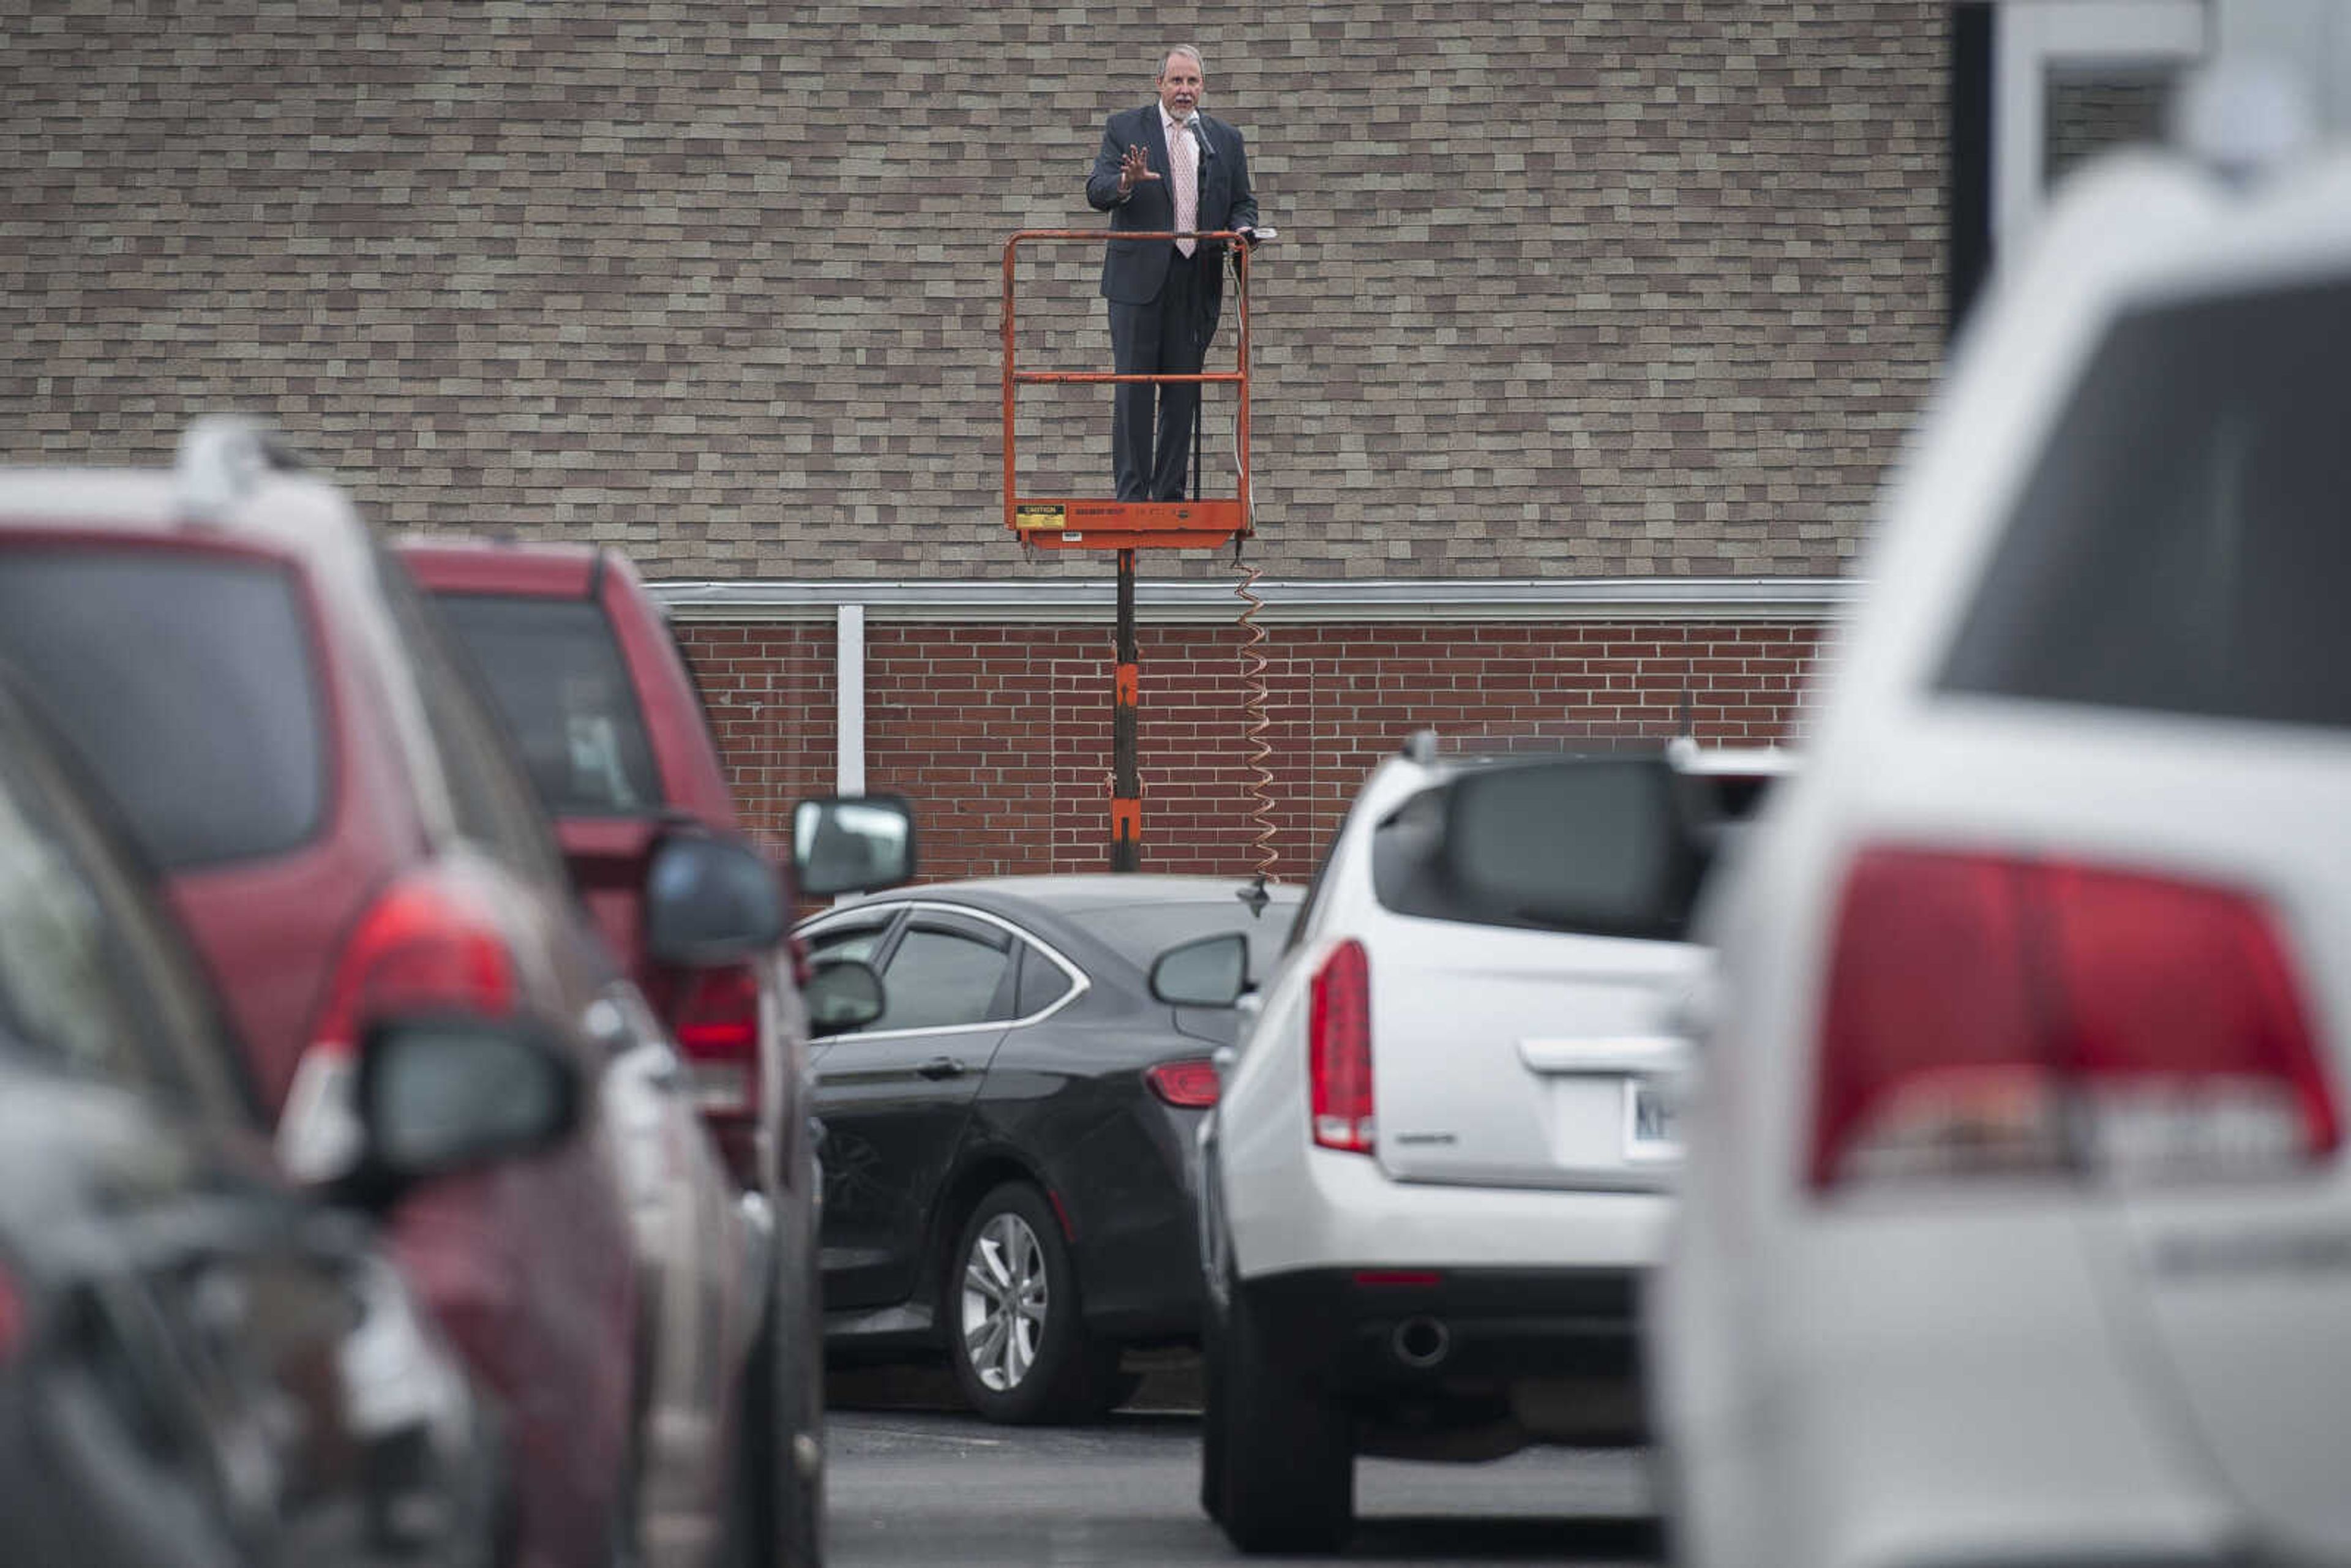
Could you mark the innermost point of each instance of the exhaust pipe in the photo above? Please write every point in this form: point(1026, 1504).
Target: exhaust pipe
point(1421, 1342)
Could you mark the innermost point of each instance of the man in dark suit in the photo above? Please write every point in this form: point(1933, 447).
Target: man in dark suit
point(1164, 167)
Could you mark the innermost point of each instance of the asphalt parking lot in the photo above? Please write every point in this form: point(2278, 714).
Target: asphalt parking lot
point(916, 1480)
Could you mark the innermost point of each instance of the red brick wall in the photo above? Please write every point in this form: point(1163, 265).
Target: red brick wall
point(1001, 734)
point(770, 693)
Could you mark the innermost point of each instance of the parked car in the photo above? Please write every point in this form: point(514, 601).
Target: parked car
point(1439, 1166)
point(198, 1364)
point(579, 658)
point(1009, 1147)
point(342, 827)
point(2016, 1191)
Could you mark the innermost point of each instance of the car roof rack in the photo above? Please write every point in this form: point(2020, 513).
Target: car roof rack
point(220, 459)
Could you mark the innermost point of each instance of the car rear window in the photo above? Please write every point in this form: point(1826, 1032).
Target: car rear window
point(2181, 545)
point(1142, 933)
point(1599, 836)
point(186, 681)
point(556, 672)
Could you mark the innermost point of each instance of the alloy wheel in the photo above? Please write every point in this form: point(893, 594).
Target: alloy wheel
point(1004, 1302)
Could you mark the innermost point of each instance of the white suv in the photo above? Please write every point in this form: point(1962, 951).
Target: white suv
point(2016, 1227)
point(1438, 1167)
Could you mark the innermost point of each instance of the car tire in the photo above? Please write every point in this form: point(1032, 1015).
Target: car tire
point(775, 1512)
point(1015, 1334)
point(800, 1448)
point(1285, 1477)
point(1214, 1407)
point(1117, 1388)
point(745, 1521)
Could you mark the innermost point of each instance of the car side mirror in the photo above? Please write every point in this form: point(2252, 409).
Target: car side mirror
point(1212, 972)
point(711, 900)
point(444, 1093)
point(852, 843)
point(843, 994)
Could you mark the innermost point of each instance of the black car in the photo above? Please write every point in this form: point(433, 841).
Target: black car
point(198, 1364)
point(1009, 1149)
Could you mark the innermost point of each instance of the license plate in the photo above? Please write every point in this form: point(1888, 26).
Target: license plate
point(1652, 1121)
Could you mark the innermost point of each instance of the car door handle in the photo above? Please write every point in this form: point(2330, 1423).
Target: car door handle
point(941, 1066)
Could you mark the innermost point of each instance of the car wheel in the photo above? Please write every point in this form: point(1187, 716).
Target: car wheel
point(1286, 1473)
point(745, 1521)
point(1015, 1335)
point(775, 1512)
point(623, 1540)
point(799, 1435)
point(1215, 1403)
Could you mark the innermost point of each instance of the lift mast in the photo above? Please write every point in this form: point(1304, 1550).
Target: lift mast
point(1124, 528)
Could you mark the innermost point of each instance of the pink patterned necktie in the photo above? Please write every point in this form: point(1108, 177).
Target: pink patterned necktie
point(1184, 161)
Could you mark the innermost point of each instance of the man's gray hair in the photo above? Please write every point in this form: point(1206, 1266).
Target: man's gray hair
point(1199, 63)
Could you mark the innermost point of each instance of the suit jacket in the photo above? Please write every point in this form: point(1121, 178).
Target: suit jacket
point(1134, 271)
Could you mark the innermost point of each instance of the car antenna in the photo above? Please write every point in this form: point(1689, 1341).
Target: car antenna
point(1255, 895)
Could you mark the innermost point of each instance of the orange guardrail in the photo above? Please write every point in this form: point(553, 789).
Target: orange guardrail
point(1071, 522)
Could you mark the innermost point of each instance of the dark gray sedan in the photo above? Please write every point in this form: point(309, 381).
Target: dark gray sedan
point(1009, 1149)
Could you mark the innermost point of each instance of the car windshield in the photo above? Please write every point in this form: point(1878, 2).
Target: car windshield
point(186, 680)
point(1143, 932)
point(556, 672)
point(2181, 545)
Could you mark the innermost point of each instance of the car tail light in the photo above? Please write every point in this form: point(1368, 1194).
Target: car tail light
point(1339, 1050)
point(1988, 1015)
point(429, 942)
point(1187, 1085)
point(717, 1029)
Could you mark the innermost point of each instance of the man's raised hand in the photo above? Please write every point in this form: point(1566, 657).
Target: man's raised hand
point(1135, 169)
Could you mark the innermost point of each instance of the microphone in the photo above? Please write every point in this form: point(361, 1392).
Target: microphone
point(1200, 138)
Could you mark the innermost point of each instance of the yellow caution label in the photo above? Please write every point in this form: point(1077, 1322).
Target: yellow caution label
point(1049, 516)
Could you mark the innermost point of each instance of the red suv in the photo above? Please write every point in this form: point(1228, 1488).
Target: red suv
point(580, 660)
point(340, 824)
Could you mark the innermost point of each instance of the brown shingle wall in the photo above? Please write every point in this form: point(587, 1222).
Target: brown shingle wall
point(1565, 290)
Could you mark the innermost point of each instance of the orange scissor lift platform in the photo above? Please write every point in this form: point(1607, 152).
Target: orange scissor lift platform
point(1071, 522)
point(1082, 522)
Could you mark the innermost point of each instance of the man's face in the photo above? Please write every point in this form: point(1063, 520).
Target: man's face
point(1179, 85)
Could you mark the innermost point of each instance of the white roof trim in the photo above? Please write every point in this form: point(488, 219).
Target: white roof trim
point(1788, 599)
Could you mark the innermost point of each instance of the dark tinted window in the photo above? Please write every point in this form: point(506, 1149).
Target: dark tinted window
point(852, 939)
point(943, 975)
point(1140, 934)
point(93, 979)
point(2184, 544)
point(187, 682)
point(1736, 796)
point(1605, 846)
point(495, 808)
point(1042, 983)
point(556, 672)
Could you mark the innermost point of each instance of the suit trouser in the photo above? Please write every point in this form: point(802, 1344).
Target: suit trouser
point(1168, 336)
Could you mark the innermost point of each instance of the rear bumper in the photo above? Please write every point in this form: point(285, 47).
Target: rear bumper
point(1342, 1325)
point(1554, 1351)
